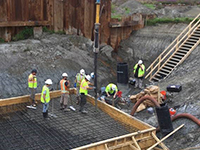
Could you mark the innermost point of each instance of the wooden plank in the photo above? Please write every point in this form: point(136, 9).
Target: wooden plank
point(162, 69)
point(26, 98)
point(24, 23)
point(158, 140)
point(168, 135)
point(3, 10)
point(192, 43)
point(183, 51)
point(192, 40)
point(119, 115)
point(58, 15)
point(135, 142)
point(123, 24)
point(179, 53)
point(112, 140)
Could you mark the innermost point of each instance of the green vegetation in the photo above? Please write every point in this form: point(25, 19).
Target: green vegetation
point(24, 34)
point(113, 8)
point(127, 10)
point(151, 6)
point(118, 16)
point(45, 29)
point(2, 40)
point(152, 22)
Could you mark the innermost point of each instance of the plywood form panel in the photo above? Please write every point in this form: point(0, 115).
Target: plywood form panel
point(50, 13)
point(58, 15)
point(104, 20)
point(35, 10)
point(25, 10)
point(17, 10)
point(3, 10)
point(89, 16)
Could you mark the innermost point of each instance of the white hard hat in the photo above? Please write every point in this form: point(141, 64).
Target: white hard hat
point(88, 77)
point(113, 87)
point(48, 81)
point(82, 71)
point(65, 75)
point(140, 62)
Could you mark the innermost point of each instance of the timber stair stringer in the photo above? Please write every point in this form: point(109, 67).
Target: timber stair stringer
point(176, 52)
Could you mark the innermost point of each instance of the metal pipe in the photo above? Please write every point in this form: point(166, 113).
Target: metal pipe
point(96, 47)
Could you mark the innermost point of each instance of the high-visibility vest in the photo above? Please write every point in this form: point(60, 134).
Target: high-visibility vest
point(140, 71)
point(83, 87)
point(109, 88)
point(47, 96)
point(79, 79)
point(64, 88)
point(32, 81)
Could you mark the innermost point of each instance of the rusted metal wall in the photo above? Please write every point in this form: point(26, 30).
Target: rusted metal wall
point(71, 16)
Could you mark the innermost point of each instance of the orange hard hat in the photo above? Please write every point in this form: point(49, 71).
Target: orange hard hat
point(164, 94)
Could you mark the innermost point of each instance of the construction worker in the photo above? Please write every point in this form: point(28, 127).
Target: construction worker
point(45, 97)
point(84, 87)
point(111, 90)
point(64, 85)
point(32, 84)
point(79, 77)
point(139, 71)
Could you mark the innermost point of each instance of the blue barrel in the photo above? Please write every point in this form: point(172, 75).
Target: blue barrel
point(164, 119)
point(122, 73)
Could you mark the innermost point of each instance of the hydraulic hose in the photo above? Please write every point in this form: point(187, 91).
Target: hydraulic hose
point(188, 116)
point(141, 100)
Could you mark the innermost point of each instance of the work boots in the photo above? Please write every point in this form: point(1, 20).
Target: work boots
point(61, 106)
point(66, 108)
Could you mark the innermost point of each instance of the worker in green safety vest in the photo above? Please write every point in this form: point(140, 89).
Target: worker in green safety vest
point(45, 97)
point(84, 87)
point(79, 77)
point(32, 84)
point(111, 90)
point(139, 71)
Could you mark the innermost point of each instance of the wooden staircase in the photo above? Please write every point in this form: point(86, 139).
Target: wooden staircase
point(176, 52)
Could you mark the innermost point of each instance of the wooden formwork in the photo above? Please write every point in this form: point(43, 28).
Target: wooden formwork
point(142, 139)
point(71, 16)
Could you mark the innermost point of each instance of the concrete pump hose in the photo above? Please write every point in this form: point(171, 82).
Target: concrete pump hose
point(188, 116)
point(141, 100)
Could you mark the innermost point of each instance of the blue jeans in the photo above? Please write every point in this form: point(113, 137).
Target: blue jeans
point(45, 107)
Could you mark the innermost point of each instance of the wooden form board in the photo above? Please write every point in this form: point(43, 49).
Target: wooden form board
point(26, 98)
point(139, 140)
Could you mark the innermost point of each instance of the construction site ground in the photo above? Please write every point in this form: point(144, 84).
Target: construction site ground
point(54, 54)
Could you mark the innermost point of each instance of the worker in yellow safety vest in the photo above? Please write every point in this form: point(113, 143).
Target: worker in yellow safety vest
point(111, 90)
point(45, 97)
point(32, 84)
point(84, 87)
point(79, 77)
point(139, 71)
point(64, 85)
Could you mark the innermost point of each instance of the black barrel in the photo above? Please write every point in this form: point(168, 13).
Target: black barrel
point(164, 119)
point(122, 73)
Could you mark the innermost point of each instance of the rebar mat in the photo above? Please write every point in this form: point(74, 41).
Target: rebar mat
point(27, 130)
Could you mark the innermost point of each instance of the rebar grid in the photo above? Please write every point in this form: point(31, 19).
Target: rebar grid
point(27, 129)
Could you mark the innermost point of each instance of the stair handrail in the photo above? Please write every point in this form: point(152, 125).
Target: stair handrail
point(176, 42)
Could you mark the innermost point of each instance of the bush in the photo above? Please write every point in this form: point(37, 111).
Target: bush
point(2, 40)
point(24, 34)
